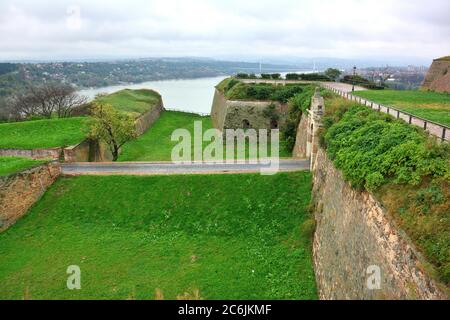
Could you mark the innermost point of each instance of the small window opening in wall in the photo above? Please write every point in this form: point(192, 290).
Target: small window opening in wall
point(274, 124)
point(245, 124)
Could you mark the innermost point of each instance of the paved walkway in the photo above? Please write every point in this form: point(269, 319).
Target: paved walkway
point(342, 86)
point(158, 168)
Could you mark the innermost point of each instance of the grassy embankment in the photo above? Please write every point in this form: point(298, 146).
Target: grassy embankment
point(50, 133)
point(433, 106)
point(399, 163)
point(10, 165)
point(227, 236)
point(40, 134)
point(135, 102)
point(156, 144)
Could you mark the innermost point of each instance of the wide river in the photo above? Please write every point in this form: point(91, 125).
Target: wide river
point(194, 95)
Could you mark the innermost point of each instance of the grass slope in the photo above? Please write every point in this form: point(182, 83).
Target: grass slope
point(156, 144)
point(229, 236)
point(136, 102)
point(10, 165)
point(42, 133)
point(433, 106)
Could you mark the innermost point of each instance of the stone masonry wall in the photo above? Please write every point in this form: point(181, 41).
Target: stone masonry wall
point(354, 232)
point(147, 119)
point(52, 153)
point(18, 192)
point(228, 114)
point(438, 77)
point(302, 138)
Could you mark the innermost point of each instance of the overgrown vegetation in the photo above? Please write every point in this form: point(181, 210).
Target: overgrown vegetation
point(297, 106)
point(235, 90)
point(408, 170)
point(134, 236)
point(10, 165)
point(47, 133)
point(433, 106)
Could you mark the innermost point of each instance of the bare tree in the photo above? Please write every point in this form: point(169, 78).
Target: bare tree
point(46, 101)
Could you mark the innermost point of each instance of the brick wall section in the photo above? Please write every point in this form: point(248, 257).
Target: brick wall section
point(438, 77)
point(18, 192)
point(302, 138)
point(354, 232)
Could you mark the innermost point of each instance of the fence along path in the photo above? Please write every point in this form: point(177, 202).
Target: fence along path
point(439, 130)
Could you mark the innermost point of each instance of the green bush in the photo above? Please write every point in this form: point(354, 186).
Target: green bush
point(292, 76)
point(373, 149)
point(297, 105)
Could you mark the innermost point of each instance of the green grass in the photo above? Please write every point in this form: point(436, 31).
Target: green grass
point(136, 102)
point(10, 165)
point(42, 133)
point(433, 106)
point(229, 236)
point(156, 144)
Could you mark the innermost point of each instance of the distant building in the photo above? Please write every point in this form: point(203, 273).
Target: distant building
point(438, 77)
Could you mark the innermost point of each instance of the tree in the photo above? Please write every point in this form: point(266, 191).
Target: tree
point(333, 73)
point(46, 101)
point(113, 127)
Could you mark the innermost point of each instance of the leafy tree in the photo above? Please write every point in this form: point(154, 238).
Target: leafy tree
point(292, 76)
point(113, 127)
point(275, 76)
point(333, 73)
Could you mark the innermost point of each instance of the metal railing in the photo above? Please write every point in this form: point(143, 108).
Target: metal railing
point(439, 130)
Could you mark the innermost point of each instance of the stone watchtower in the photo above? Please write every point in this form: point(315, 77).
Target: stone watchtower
point(315, 114)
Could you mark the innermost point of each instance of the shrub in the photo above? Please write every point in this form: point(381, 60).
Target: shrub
point(242, 76)
point(292, 76)
point(314, 77)
point(275, 76)
point(373, 149)
point(265, 76)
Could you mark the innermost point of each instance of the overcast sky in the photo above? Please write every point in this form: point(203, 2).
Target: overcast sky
point(384, 29)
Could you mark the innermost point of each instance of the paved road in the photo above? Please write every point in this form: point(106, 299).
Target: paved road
point(154, 168)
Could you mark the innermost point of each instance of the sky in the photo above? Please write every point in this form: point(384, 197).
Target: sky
point(394, 30)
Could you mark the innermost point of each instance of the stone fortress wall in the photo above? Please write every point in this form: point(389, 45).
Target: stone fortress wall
point(438, 77)
point(355, 239)
point(228, 114)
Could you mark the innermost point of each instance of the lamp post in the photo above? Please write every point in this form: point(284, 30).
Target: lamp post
point(354, 74)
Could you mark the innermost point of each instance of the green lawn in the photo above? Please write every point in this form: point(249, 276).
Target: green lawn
point(136, 102)
point(429, 105)
point(42, 133)
point(228, 236)
point(156, 144)
point(10, 165)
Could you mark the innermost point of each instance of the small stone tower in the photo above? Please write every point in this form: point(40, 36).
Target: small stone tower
point(315, 114)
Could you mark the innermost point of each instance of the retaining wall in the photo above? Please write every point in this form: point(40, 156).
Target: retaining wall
point(19, 191)
point(355, 232)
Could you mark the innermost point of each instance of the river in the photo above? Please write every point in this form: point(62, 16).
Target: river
point(194, 95)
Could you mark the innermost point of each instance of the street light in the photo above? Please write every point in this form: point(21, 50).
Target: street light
point(354, 74)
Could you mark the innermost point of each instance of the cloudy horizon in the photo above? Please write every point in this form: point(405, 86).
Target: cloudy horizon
point(391, 30)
